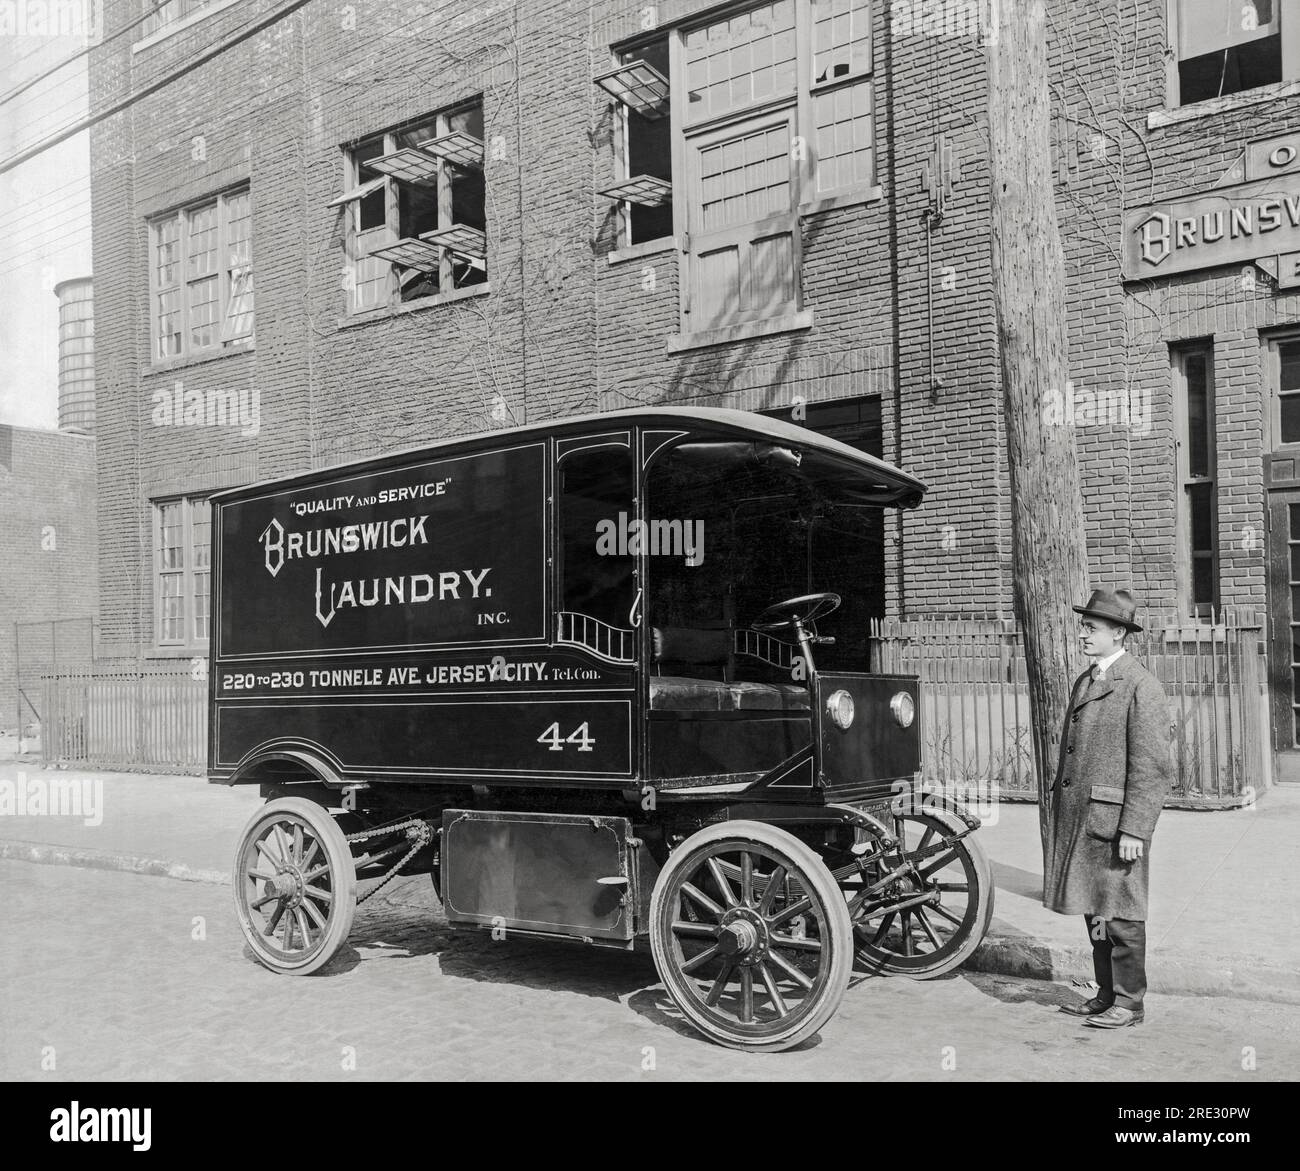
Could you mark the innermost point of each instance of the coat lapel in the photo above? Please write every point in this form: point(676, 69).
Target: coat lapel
point(1107, 685)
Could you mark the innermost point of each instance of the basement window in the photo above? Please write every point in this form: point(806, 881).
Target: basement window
point(414, 210)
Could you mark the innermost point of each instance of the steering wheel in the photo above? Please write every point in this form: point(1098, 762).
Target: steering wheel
point(806, 608)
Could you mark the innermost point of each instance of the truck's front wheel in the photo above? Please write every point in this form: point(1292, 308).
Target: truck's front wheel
point(295, 886)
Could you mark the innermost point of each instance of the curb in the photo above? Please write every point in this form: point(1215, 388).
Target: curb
point(1009, 954)
point(1172, 973)
point(100, 860)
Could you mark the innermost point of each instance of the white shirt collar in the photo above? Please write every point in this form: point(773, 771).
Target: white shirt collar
point(1103, 665)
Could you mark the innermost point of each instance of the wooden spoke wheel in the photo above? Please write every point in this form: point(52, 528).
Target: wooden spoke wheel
point(751, 936)
point(932, 918)
point(295, 886)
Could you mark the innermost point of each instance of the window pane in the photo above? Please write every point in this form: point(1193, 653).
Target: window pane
point(238, 230)
point(841, 38)
point(172, 609)
point(200, 532)
point(844, 136)
point(1203, 581)
point(1290, 420)
point(202, 256)
point(745, 179)
point(171, 531)
point(1196, 368)
point(1206, 26)
point(169, 324)
point(744, 59)
point(470, 120)
point(1295, 563)
point(1201, 500)
point(203, 312)
point(1289, 359)
point(168, 254)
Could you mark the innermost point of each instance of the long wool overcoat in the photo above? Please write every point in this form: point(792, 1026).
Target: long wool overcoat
point(1113, 777)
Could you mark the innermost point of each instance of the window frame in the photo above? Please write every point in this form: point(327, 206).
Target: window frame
point(806, 197)
point(188, 352)
point(189, 640)
point(1273, 344)
point(447, 288)
point(1184, 525)
point(1289, 31)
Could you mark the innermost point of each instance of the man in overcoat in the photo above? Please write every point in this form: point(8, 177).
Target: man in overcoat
point(1111, 782)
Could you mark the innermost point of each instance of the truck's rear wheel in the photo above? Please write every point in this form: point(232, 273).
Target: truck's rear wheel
point(751, 936)
point(295, 886)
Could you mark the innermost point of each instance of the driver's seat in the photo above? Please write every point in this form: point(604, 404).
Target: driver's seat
point(684, 648)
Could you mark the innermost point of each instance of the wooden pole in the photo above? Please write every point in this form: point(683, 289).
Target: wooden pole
point(1049, 551)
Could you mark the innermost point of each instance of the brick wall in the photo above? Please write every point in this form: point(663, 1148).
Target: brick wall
point(48, 551)
point(564, 330)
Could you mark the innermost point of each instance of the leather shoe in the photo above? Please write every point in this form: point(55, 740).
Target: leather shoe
point(1116, 1017)
point(1087, 1008)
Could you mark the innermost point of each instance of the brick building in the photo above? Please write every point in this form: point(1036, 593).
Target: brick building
point(48, 561)
point(364, 226)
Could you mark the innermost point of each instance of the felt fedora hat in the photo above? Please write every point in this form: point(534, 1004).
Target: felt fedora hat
point(1112, 606)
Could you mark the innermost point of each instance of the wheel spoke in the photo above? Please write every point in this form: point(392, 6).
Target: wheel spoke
point(297, 843)
point(774, 883)
point(790, 970)
point(288, 933)
point(282, 841)
point(700, 960)
point(778, 1002)
point(747, 879)
point(919, 913)
point(315, 892)
point(795, 944)
point(925, 838)
point(308, 875)
point(804, 904)
point(905, 926)
point(883, 929)
point(274, 921)
point(719, 985)
point(266, 853)
point(260, 903)
point(311, 854)
point(703, 930)
point(947, 914)
point(746, 996)
point(960, 887)
point(301, 919)
point(724, 887)
point(691, 891)
point(936, 863)
point(317, 917)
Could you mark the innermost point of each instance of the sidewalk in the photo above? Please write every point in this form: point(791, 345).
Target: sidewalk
point(1225, 887)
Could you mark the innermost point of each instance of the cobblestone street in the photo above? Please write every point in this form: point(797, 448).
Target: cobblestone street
point(126, 977)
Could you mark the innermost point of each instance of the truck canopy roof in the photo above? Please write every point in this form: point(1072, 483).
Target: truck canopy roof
point(843, 471)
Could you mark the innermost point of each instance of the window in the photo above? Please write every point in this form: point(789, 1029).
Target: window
point(648, 150)
point(771, 109)
point(170, 13)
point(202, 278)
point(415, 221)
point(1286, 423)
point(1227, 46)
point(182, 566)
point(1198, 577)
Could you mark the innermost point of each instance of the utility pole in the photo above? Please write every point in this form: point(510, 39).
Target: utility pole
point(1049, 550)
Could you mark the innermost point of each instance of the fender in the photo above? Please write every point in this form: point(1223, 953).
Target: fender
point(314, 761)
point(937, 802)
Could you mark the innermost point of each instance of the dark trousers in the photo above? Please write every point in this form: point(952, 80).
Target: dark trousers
point(1119, 959)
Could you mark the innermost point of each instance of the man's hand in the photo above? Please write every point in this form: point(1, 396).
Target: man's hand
point(1130, 848)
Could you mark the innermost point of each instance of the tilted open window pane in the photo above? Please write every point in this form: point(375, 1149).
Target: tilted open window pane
point(841, 39)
